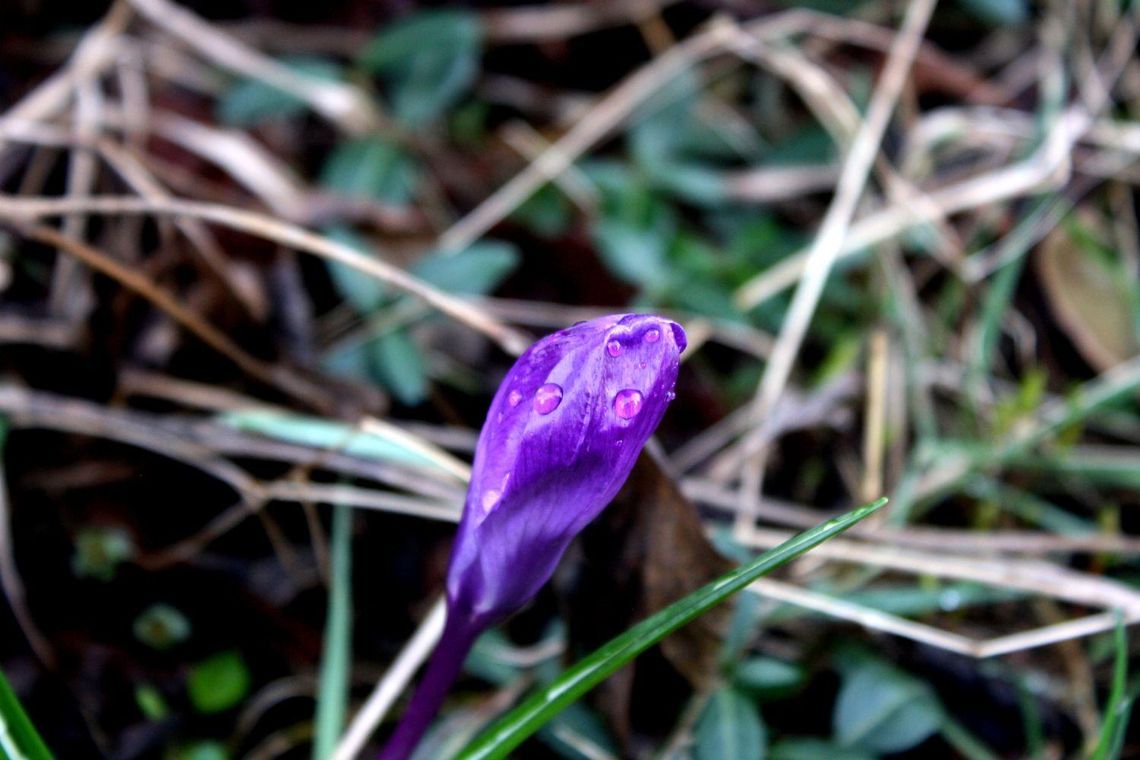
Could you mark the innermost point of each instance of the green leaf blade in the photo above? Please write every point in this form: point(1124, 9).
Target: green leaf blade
point(882, 709)
point(336, 655)
point(730, 726)
point(18, 737)
point(507, 733)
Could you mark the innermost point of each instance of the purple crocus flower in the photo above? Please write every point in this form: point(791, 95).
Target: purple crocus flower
point(560, 439)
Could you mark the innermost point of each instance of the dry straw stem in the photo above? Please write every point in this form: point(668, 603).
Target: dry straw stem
point(94, 53)
point(395, 680)
point(601, 120)
point(203, 444)
point(274, 375)
point(1047, 168)
point(18, 209)
point(52, 333)
point(839, 115)
point(1032, 576)
point(31, 409)
point(885, 622)
point(825, 249)
point(994, 542)
point(71, 292)
point(829, 240)
point(10, 580)
point(607, 114)
point(343, 104)
point(138, 177)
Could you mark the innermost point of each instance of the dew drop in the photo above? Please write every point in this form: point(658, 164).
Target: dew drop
point(513, 398)
point(490, 499)
point(547, 398)
point(627, 403)
point(620, 442)
point(652, 335)
point(614, 348)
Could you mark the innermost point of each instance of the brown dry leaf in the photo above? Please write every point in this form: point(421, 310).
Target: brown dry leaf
point(1090, 301)
point(647, 551)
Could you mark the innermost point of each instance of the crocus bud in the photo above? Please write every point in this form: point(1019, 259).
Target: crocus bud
point(560, 439)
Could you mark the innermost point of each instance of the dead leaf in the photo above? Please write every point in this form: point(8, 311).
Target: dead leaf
point(647, 551)
point(1090, 300)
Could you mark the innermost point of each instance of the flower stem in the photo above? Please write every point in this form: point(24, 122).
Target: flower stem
point(446, 661)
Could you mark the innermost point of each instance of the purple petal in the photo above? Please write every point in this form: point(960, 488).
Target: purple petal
point(561, 437)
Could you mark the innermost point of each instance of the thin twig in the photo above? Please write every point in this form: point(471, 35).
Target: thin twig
point(267, 227)
point(274, 375)
point(343, 104)
point(10, 579)
point(395, 680)
point(603, 118)
point(829, 240)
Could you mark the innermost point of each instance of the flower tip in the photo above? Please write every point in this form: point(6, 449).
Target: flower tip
point(679, 337)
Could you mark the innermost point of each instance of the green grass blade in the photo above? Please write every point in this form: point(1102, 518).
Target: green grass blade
point(332, 691)
point(1119, 706)
point(510, 730)
point(19, 739)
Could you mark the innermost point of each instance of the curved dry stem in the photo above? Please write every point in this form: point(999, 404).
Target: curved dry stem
point(264, 226)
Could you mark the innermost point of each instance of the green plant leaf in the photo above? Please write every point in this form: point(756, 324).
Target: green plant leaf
point(810, 748)
point(203, 750)
point(508, 732)
point(883, 709)
point(730, 726)
point(429, 61)
point(477, 270)
point(398, 365)
point(546, 212)
point(585, 725)
point(150, 702)
point(336, 654)
point(218, 683)
point(324, 434)
point(1119, 707)
point(998, 12)
point(768, 677)
point(18, 737)
point(99, 550)
point(161, 627)
point(484, 660)
point(363, 292)
point(251, 101)
point(371, 167)
point(635, 228)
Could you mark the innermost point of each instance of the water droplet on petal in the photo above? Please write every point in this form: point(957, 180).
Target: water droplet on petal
point(652, 335)
point(547, 398)
point(614, 348)
point(620, 441)
point(627, 403)
point(490, 499)
point(670, 396)
point(513, 398)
